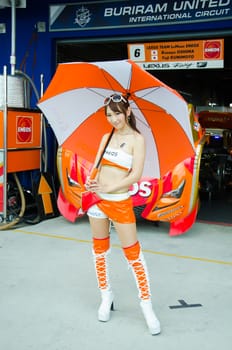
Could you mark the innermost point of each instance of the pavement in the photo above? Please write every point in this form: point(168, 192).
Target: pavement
point(49, 296)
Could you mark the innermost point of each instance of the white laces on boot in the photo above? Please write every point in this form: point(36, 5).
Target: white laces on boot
point(139, 269)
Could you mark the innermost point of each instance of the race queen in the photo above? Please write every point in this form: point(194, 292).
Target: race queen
point(121, 166)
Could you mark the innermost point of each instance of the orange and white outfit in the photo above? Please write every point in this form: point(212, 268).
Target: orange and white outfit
point(115, 206)
point(118, 207)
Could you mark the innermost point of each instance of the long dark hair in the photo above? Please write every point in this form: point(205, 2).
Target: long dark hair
point(122, 107)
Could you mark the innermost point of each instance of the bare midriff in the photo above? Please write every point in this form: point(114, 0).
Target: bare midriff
point(108, 174)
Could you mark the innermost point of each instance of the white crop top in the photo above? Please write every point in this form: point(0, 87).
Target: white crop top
point(118, 158)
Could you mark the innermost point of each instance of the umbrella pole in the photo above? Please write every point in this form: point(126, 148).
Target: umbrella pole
point(95, 169)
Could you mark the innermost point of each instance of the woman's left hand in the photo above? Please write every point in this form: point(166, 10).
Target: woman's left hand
point(91, 185)
point(94, 186)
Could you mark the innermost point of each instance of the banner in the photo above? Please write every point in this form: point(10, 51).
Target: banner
point(192, 54)
point(137, 13)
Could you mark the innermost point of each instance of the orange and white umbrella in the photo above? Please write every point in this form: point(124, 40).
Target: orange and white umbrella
point(74, 106)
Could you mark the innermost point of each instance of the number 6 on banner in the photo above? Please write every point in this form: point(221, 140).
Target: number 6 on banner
point(136, 52)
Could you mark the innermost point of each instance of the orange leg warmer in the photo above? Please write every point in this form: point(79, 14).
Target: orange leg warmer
point(100, 250)
point(137, 263)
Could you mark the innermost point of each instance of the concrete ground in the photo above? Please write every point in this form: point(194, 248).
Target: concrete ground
point(49, 296)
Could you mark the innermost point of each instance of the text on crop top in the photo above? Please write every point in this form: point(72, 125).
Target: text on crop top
point(117, 158)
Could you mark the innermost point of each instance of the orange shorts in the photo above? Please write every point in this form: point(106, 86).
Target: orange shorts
point(116, 210)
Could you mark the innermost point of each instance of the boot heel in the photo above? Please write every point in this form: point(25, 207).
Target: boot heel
point(112, 306)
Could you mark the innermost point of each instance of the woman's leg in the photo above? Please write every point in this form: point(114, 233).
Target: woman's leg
point(132, 251)
point(101, 249)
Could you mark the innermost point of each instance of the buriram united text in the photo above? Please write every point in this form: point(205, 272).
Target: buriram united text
point(157, 12)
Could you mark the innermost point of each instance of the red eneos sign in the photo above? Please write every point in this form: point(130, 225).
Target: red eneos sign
point(212, 49)
point(24, 129)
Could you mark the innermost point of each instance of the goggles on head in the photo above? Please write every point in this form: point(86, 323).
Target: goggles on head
point(114, 98)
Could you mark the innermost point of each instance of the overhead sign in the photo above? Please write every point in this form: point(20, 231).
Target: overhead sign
point(192, 54)
point(136, 13)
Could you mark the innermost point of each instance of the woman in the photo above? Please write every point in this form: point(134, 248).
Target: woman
point(121, 166)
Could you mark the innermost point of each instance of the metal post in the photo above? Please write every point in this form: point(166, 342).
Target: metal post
point(44, 150)
point(5, 143)
point(13, 37)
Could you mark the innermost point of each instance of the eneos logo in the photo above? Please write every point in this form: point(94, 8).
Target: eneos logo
point(212, 49)
point(24, 129)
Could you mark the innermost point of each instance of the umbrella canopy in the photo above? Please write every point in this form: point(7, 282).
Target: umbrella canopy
point(74, 106)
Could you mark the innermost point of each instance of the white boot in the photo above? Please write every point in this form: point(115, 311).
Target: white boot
point(150, 317)
point(106, 305)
